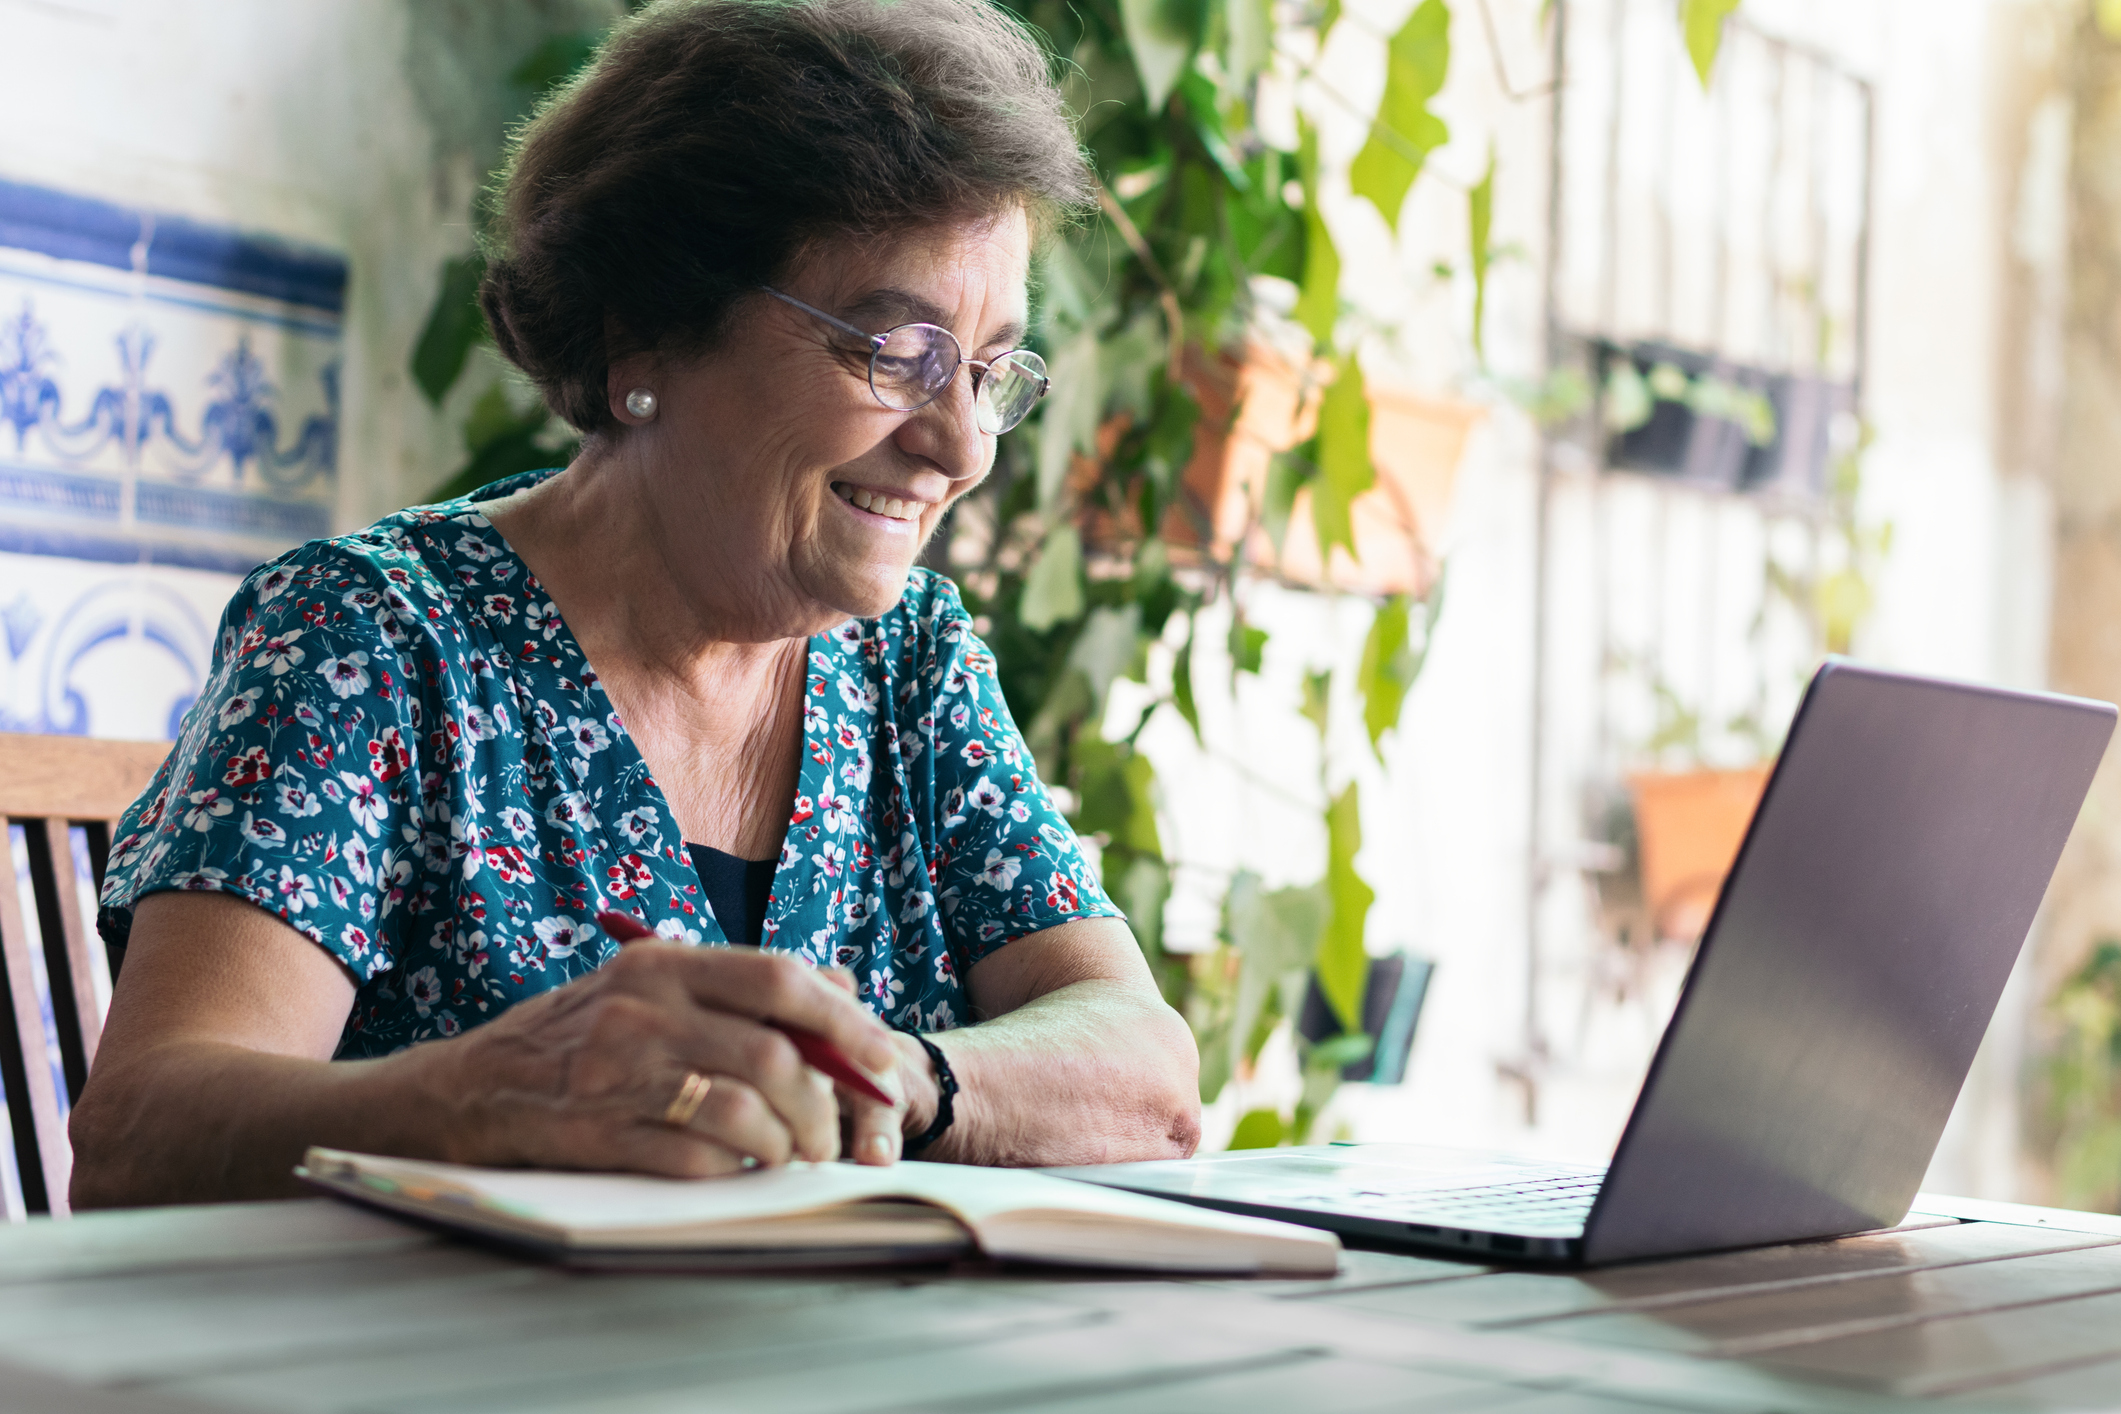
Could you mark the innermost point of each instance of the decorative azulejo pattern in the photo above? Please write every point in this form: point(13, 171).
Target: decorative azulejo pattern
point(169, 418)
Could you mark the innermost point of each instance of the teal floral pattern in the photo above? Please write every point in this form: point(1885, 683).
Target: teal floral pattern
point(402, 752)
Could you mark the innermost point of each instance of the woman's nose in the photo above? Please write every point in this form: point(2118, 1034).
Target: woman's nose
point(947, 433)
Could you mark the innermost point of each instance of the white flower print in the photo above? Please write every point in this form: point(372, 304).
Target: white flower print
point(542, 619)
point(830, 859)
point(589, 737)
point(479, 724)
point(207, 806)
point(424, 990)
point(859, 696)
point(916, 907)
point(1019, 812)
point(203, 879)
point(1000, 871)
point(279, 653)
point(987, 796)
point(884, 988)
point(263, 833)
point(346, 676)
point(365, 802)
point(359, 862)
point(356, 940)
point(675, 930)
point(473, 548)
point(297, 891)
point(940, 1018)
point(838, 812)
point(639, 823)
point(571, 809)
point(296, 798)
point(238, 708)
point(976, 753)
point(562, 935)
point(520, 822)
point(849, 636)
point(273, 583)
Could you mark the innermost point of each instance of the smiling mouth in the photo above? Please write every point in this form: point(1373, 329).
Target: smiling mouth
point(889, 507)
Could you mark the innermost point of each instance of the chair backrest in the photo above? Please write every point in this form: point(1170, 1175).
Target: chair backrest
point(59, 797)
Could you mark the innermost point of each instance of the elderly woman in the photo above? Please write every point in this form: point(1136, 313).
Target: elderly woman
point(771, 260)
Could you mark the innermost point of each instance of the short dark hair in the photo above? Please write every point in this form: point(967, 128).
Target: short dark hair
point(711, 142)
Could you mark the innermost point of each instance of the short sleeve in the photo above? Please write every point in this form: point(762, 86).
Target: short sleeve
point(1008, 861)
point(293, 781)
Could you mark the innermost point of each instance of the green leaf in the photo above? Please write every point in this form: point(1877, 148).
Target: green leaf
point(1318, 699)
point(1318, 303)
point(1117, 787)
point(1248, 40)
point(1143, 890)
point(1406, 132)
point(1161, 34)
point(1343, 964)
point(1109, 646)
point(1702, 21)
point(1480, 212)
point(1339, 1052)
point(502, 441)
point(1053, 590)
point(1182, 690)
point(1248, 646)
point(453, 326)
point(1276, 936)
point(1392, 657)
point(1344, 469)
point(1259, 1129)
point(1068, 420)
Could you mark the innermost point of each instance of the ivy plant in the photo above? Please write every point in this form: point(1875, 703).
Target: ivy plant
point(1074, 573)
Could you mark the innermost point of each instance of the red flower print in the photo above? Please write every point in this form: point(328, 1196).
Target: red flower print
point(249, 768)
point(387, 757)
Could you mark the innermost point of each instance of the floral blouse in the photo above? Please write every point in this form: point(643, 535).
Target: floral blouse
point(402, 753)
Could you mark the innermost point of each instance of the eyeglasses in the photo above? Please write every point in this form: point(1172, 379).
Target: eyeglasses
point(911, 365)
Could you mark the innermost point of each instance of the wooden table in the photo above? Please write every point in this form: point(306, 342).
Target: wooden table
point(314, 1306)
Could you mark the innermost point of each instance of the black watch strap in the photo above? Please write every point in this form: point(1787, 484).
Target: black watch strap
point(945, 1097)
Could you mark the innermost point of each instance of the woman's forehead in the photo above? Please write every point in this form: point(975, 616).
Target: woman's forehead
point(969, 270)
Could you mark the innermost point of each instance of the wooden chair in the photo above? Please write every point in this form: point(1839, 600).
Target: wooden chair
point(59, 796)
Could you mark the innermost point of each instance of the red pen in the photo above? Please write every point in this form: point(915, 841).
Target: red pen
point(815, 1050)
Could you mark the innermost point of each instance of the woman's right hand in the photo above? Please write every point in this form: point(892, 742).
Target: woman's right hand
point(215, 1071)
point(585, 1075)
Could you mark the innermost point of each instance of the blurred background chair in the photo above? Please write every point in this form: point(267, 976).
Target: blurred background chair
point(59, 797)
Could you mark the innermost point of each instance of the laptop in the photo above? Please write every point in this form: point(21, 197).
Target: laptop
point(1848, 973)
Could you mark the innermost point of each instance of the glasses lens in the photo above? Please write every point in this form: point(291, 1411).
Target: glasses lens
point(916, 362)
point(1009, 391)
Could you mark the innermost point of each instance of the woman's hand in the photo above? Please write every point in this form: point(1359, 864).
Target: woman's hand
point(584, 1076)
point(215, 1071)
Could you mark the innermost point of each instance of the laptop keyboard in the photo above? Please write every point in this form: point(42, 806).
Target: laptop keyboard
point(1554, 1202)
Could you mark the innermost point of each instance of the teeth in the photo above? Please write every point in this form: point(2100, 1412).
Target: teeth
point(888, 506)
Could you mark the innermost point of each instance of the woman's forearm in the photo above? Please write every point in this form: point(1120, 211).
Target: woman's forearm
point(195, 1121)
point(1094, 1072)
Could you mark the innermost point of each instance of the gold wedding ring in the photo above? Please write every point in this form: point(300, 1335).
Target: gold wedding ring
point(686, 1103)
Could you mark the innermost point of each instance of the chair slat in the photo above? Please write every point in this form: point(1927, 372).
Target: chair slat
point(66, 945)
point(45, 1160)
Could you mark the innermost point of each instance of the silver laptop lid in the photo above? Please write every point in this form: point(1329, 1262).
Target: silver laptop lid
point(1855, 957)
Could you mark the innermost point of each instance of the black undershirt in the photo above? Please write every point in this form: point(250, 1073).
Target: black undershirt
point(736, 890)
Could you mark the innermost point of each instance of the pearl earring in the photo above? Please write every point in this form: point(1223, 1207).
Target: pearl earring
point(641, 403)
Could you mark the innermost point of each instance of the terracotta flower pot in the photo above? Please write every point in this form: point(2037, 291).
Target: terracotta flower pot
point(1689, 827)
point(1415, 443)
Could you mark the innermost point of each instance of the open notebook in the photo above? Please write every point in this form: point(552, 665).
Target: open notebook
point(824, 1215)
